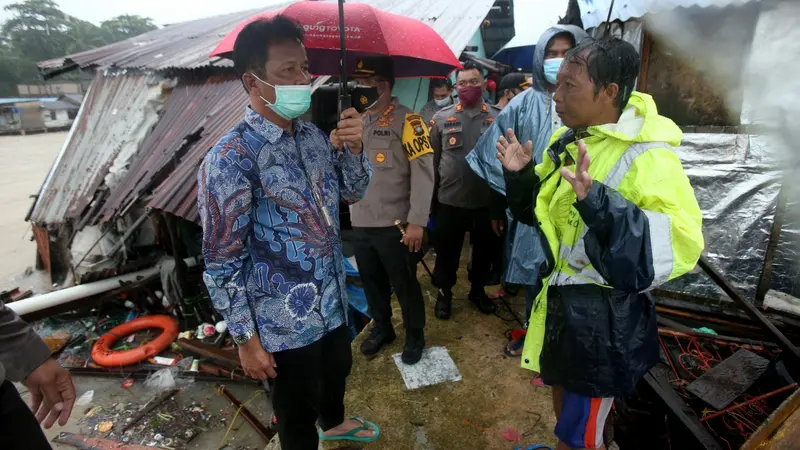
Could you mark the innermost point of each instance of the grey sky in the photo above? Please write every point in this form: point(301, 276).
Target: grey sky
point(171, 11)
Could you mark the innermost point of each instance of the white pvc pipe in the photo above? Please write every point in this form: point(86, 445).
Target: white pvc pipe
point(80, 291)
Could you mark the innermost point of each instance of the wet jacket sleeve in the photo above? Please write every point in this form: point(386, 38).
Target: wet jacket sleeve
point(21, 349)
point(224, 203)
point(422, 180)
point(521, 190)
point(649, 230)
point(354, 172)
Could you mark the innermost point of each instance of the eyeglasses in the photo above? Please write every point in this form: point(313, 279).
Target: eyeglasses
point(473, 82)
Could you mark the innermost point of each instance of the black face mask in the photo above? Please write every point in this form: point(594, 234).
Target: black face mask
point(364, 97)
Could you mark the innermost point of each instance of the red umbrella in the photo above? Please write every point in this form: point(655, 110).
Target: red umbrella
point(417, 50)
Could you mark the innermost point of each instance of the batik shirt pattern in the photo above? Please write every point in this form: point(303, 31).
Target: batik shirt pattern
point(269, 207)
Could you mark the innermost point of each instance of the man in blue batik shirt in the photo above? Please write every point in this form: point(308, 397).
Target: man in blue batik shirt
point(268, 199)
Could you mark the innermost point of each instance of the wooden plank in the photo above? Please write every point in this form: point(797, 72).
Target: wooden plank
point(750, 309)
point(781, 430)
point(681, 410)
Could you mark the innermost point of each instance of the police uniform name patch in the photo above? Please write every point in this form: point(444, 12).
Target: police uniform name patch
point(381, 133)
point(416, 139)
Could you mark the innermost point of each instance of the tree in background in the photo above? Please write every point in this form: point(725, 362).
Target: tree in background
point(126, 26)
point(38, 30)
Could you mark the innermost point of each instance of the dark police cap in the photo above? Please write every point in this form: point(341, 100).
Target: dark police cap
point(382, 67)
point(515, 80)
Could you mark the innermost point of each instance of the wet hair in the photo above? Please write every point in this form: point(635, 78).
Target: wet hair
point(252, 44)
point(467, 66)
point(562, 34)
point(437, 83)
point(608, 60)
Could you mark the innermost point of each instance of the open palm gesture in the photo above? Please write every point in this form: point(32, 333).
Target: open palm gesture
point(580, 180)
point(513, 155)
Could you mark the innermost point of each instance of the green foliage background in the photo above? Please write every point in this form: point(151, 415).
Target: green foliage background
point(38, 30)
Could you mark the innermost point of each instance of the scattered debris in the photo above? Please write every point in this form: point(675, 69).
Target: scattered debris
point(128, 383)
point(225, 358)
point(221, 326)
point(82, 442)
point(162, 379)
point(151, 405)
point(242, 410)
point(85, 399)
point(511, 435)
point(105, 427)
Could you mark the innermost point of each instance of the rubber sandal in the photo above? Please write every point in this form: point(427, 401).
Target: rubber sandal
point(534, 447)
point(351, 435)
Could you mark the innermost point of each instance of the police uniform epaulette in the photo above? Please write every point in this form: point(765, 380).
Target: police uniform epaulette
point(496, 108)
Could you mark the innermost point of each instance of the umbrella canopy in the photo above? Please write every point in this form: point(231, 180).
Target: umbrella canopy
point(518, 53)
point(416, 49)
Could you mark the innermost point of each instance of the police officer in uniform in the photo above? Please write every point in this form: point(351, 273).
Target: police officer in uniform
point(397, 143)
point(462, 198)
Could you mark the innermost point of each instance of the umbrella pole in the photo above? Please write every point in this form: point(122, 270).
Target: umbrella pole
point(344, 96)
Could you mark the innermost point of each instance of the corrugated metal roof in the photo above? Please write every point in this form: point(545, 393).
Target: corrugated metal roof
point(204, 110)
point(219, 106)
point(595, 12)
point(187, 45)
point(183, 45)
point(118, 111)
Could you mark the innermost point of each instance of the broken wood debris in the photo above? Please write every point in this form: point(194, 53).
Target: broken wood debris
point(151, 405)
point(259, 427)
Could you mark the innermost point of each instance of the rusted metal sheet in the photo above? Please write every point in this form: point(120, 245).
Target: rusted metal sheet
point(42, 238)
point(196, 115)
point(187, 45)
point(119, 110)
point(183, 45)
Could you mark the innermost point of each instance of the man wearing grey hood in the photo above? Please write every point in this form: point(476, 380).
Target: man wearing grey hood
point(532, 116)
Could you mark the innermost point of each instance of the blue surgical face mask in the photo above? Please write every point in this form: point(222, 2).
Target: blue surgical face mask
point(551, 67)
point(291, 100)
point(443, 102)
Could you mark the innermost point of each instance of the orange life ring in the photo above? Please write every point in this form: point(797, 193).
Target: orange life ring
point(104, 356)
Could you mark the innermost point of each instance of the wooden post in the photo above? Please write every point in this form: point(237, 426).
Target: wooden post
point(772, 245)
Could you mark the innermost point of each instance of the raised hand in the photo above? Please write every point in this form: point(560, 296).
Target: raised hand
point(513, 155)
point(580, 180)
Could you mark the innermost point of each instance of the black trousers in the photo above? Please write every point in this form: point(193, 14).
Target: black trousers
point(384, 263)
point(310, 388)
point(19, 429)
point(452, 223)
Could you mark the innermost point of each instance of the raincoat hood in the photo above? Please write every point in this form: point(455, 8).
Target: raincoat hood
point(640, 122)
point(539, 82)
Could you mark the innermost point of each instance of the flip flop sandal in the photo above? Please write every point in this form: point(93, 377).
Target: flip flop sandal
point(366, 425)
point(534, 447)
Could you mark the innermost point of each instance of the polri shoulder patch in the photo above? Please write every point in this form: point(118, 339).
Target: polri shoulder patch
point(416, 137)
